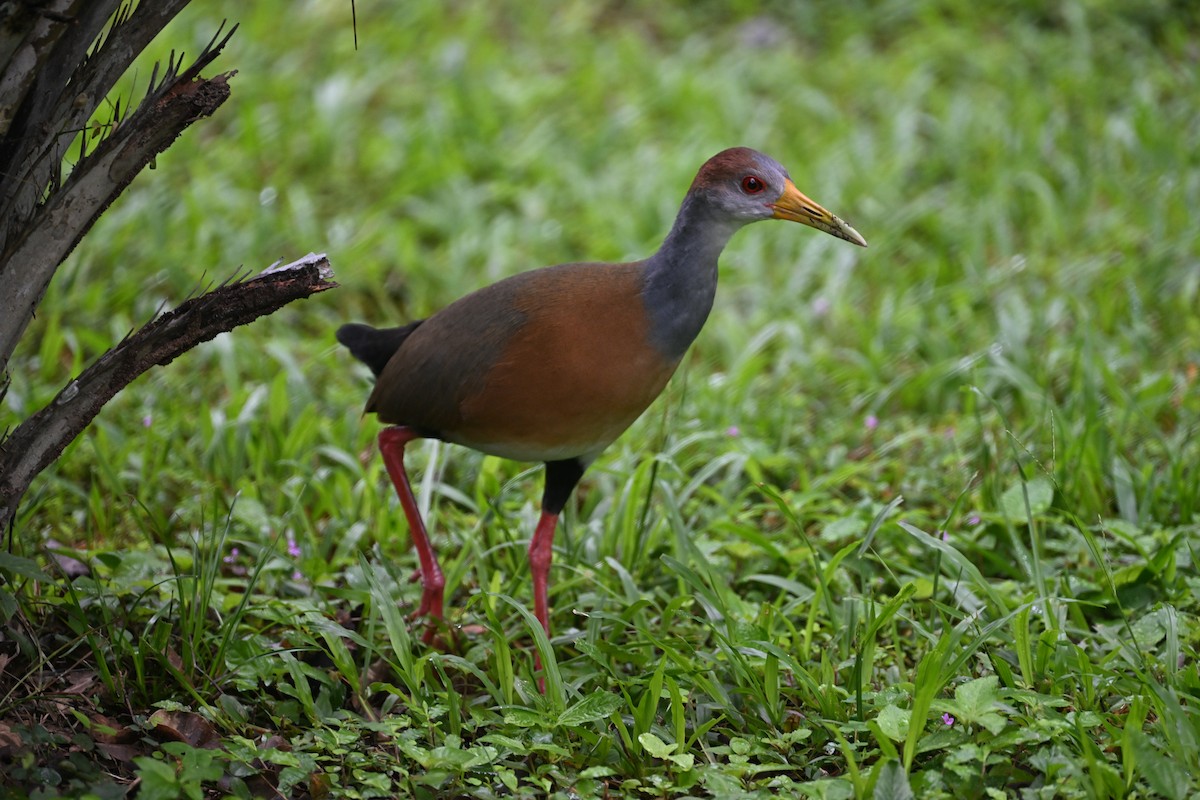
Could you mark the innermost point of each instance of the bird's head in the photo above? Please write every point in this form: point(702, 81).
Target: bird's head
point(748, 186)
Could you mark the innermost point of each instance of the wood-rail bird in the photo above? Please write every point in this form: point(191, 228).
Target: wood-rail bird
point(554, 364)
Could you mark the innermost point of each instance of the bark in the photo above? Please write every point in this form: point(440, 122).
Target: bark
point(51, 85)
point(39, 440)
point(54, 84)
point(29, 33)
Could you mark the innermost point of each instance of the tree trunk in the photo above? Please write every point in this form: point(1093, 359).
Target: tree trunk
point(60, 67)
point(59, 60)
point(39, 440)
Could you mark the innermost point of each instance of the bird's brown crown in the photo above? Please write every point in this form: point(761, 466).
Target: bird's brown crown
point(727, 165)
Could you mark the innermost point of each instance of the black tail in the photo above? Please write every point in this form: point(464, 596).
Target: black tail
point(374, 346)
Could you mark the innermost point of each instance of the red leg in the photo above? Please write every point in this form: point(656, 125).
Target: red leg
point(540, 556)
point(391, 445)
point(541, 553)
point(561, 477)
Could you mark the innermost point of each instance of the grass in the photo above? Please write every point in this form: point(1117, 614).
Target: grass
point(919, 520)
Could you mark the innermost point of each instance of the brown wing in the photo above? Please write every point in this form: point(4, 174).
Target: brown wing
point(549, 364)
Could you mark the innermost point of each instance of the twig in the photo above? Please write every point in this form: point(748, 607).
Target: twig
point(37, 441)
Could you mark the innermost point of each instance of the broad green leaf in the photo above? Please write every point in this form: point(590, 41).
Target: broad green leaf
point(978, 695)
point(892, 783)
point(158, 779)
point(507, 742)
point(656, 746)
point(893, 721)
point(508, 778)
point(826, 789)
point(1151, 629)
point(524, 717)
point(596, 706)
point(8, 606)
point(24, 567)
point(720, 783)
point(458, 760)
point(1041, 493)
point(1166, 776)
point(976, 702)
point(684, 761)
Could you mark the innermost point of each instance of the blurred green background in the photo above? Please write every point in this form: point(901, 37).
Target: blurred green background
point(1016, 354)
point(1026, 174)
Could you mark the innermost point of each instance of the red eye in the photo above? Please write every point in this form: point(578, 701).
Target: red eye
point(752, 184)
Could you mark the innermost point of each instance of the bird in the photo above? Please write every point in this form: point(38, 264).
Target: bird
point(553, 364)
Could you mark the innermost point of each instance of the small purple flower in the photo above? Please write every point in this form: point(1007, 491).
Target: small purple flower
point(733, 431)
point(944, 536)
point(232, 557)
point(974, 519)
point(947, 720)
point(297, 575)
point(872, 422)
point(293, 548)
point(147, 421)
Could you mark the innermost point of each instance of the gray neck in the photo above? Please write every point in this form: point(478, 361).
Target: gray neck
point(680, 280)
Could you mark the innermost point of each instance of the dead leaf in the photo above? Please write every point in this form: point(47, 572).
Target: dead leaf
point(107, 729)
point(83, 682)
point(10, 740)
point(376, 672)
point(72, 567)
point(124, 753)
point(187, 727)
point(319, 785)
point(174, 659)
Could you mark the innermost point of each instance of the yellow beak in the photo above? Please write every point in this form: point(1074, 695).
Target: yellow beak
point(794, 205)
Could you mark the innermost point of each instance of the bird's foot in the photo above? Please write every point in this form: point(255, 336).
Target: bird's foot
point(431, 598)
point(431, 607)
